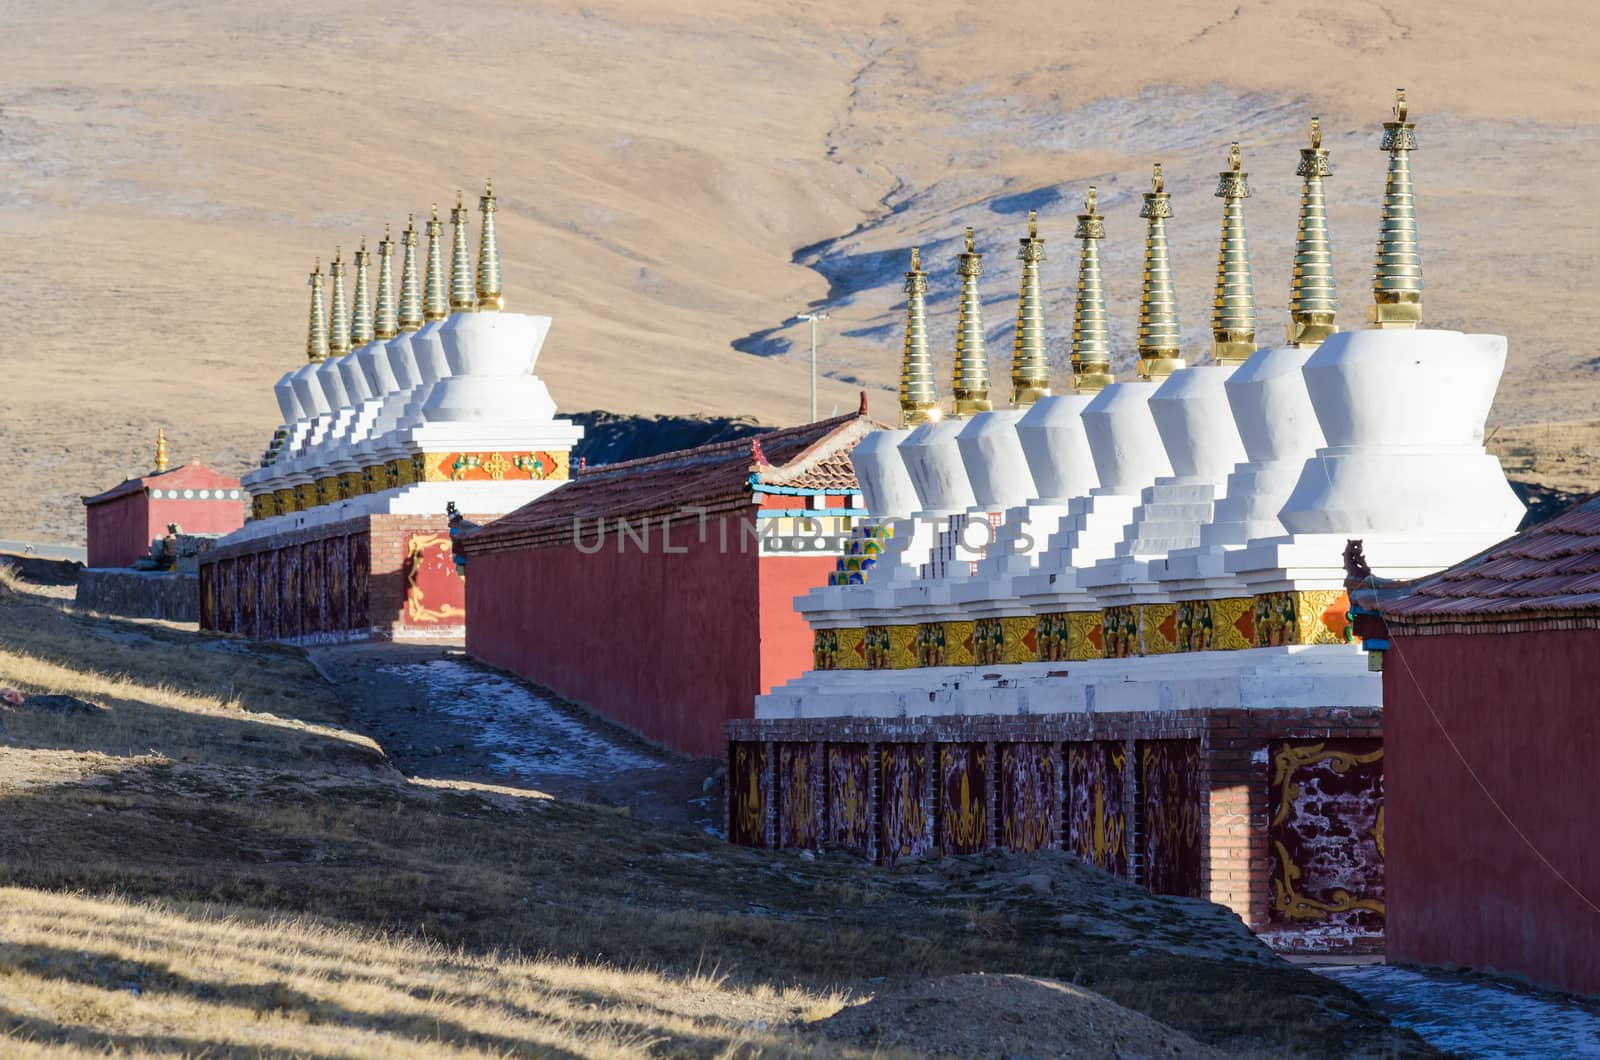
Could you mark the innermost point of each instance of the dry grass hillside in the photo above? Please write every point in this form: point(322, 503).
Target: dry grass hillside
point(679, 177)
point(198, 858)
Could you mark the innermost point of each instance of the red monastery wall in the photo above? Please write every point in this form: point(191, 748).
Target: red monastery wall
point(667, 644)
point(1523, 709)
point(786, 640)
point(119, 530)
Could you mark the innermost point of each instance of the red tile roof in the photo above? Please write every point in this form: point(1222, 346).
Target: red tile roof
point(193, 475)
point(1545, 577)
point(716, 477)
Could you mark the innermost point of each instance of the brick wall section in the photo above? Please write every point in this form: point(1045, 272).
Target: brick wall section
point(1235, 762)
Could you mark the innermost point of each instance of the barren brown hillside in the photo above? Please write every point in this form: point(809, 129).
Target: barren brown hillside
point(678, 178)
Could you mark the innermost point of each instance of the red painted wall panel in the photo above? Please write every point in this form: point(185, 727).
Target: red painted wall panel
point(785, 638)
point(667, 644)
point(117, 530)
point(1524, 711)
point(195, 516)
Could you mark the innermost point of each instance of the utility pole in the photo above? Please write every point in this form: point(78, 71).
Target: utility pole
point(813, 318)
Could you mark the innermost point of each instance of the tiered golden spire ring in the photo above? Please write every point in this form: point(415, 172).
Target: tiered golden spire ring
point(971, 383)
point(1091, 339)
point(1030, 359)
point(1315, 297)
point(161, 449)
point(317, 330)
point(1233, 308)
point(463, 293)
point(361, 310)
point(1397, 277)
point(1159, 351)
point(489, 293)
point(919, 395)
point(338, 310)
point(434, 304)
point(410, 294)
point(387, 325)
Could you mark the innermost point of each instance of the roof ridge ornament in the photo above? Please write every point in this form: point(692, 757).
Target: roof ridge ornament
point(1397, 273)
point(1233, 306)
point(1091, 336)
point(1030, 355)
point(970, 383)
point(161, 449)
point(1314, 295)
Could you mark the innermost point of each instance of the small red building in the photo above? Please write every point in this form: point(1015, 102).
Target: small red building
point(1491, 694)
point(124, 520)
point(660, 592)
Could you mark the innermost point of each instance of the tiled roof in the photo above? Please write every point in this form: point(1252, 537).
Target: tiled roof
point(1548, 574)
point(193, 475)
point(715, 477)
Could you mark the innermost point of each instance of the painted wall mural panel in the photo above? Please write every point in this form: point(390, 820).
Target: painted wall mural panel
point(747, 794)
point(208, 596)
point(798, 802)
point(227, 597)
point(435, 593)
point(1029, 800)
point(849, 825)
point(902, 814)
point(1170, 813)
point(337, 583)
point(360, 581)
point(249, 583)
point(271, 605)
point(962, 812)
point(1097, 818)
point(289, 572)
point(313, 604)
point(1325, 838)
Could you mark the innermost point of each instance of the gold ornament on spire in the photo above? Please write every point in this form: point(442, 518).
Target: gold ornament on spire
point(1397, 276)
point(338, 311)
point(919, 395)
point(317, 330)
point(161, 449)
point(463, 293)
point(1091, 337)
point(1159, 351)
point(434, 304)
point(971, 382)
point(386, 325)
point(410, 293)
point(489, 293)
point(1030, 360)
point(1233, 307)
point(361, 309)
point(1314, 299)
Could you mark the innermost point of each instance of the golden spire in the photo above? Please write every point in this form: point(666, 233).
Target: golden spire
point(161, 449)
point(463, 295)
point(361, 310)
point(410, 295)
point(1233, 308)
point(434, 305)
point(971, 383)
point(1091, 340)
point(1397, 277)
point(1315, 297)
point(338, 313)
point(919, 396)
point(386, 326)
point(1030, 361)
point(489, 293)
point(317, 332)
point(1159, 352)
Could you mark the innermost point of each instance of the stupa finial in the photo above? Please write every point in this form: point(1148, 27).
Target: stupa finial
point(338, 309)
point(410, 286)
point(1091, 338)
point(463, 292)
point(386, 326)
point(1314, 299)
point(489, 293)
point(1233, 308)
point(361, 308)
point(1030, 360)
point(317, 330)
point(434, 304)
point(161, 449)
point(971, 383)
point(1397, 277)
point(1159, 351)
point(919, 395)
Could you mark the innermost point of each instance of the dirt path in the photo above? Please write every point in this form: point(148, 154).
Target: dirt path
point(441, 716)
